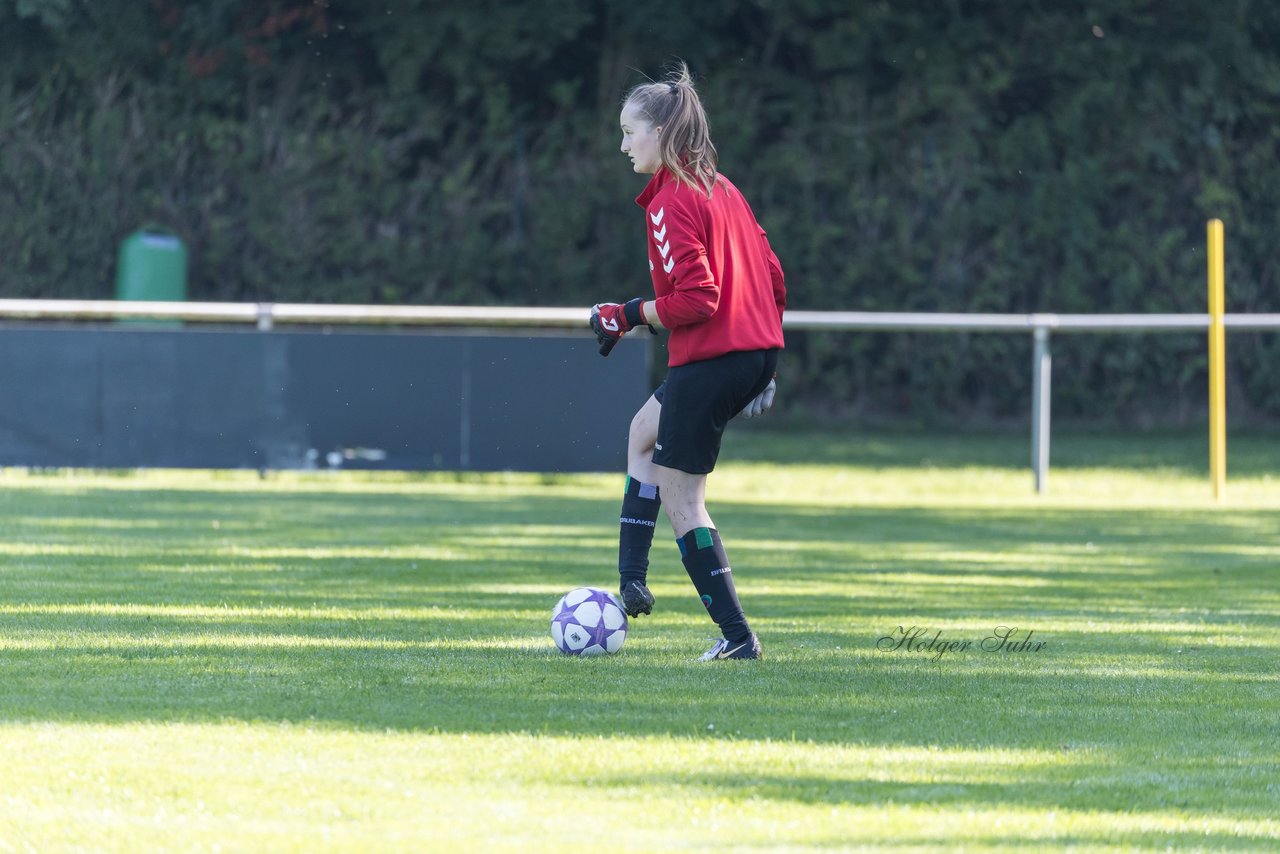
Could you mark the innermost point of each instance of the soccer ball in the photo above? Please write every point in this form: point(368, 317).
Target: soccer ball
point(588, 621)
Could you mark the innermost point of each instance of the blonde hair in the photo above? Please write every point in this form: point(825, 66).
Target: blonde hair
point(685, 146)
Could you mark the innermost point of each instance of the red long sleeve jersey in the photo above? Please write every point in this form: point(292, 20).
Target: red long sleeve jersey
point(719, 285)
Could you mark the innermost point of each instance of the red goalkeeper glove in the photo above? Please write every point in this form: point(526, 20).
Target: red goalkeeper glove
point(611, 320)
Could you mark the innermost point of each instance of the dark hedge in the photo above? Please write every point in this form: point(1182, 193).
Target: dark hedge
point(921, 155)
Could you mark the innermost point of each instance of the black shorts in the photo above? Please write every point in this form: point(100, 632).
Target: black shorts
point(699, 398)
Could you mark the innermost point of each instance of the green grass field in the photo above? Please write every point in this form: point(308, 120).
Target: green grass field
point(213, 661)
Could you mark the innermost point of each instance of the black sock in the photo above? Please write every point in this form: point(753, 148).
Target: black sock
point(708, 568)
point(640, 505)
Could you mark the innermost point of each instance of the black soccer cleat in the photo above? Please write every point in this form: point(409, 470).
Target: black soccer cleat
point(636, 599)
point(724, 649)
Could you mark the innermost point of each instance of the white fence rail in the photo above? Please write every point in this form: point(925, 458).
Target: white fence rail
point(267, 315)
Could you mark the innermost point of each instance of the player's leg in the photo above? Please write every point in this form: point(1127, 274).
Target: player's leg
point(700, 400)
point(684, 498)
point(641, 502)
point(641, 438)
point(705, 560)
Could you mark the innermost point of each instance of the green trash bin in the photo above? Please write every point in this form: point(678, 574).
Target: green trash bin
point(152, 266)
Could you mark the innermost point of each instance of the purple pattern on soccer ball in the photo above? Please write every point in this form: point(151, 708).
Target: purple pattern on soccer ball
point(598, 634)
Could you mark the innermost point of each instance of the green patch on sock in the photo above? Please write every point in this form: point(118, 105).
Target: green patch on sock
point(702, 537)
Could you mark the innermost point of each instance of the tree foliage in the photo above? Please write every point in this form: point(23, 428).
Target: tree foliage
point(913, 155)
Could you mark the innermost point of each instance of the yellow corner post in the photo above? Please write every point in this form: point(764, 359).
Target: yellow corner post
point(1217, 364)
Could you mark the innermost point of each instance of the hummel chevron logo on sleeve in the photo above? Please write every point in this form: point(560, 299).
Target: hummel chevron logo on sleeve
point(657, 218)
point(665, 249)
point(660, 236)
point(671, 262)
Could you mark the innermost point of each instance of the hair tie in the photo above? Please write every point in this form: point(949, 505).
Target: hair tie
point(675, 89)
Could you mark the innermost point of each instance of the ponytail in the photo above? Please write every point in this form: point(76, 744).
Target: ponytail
point(685, 146)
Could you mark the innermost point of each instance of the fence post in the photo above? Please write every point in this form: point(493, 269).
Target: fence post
point(265, 320)
point(1217, 365)
point(1041, 367)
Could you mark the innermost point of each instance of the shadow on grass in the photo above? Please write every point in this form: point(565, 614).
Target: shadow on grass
point(1179, 739)
point(392, 549)
point(423, 612)
point(1250, 453)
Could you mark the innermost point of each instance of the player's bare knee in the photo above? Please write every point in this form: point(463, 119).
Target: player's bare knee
point(674, 499)
point(639, 448)
point(677, 515)
point(642, 435)
point(638, 440)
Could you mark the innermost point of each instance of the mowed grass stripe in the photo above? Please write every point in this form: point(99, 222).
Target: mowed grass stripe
point(360, 660)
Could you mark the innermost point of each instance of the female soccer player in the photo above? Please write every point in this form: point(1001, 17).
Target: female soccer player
point(718, 287)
